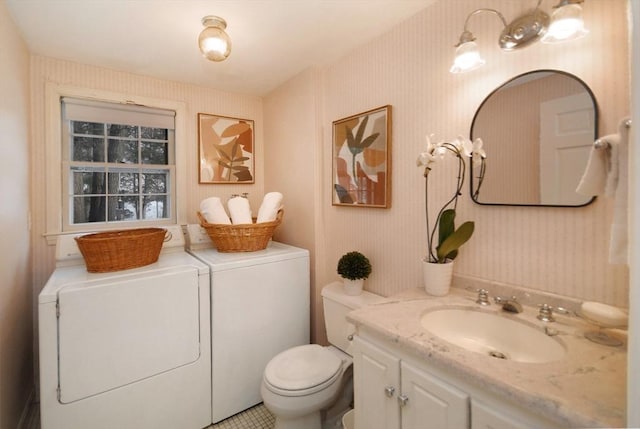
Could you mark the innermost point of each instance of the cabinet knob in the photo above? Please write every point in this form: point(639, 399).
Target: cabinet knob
point(402, 400)
point(389, 391)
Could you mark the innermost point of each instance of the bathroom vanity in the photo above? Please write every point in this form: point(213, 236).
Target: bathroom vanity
point(405, 376)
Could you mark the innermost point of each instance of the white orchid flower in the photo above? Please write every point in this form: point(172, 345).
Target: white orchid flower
point(464, 146)
point(477, 152)
point(477, 148)
point(431, 154)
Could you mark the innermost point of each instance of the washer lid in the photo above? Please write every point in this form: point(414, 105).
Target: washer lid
point(302, 367)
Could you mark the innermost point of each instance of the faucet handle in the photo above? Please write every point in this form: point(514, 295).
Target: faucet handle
point(483, 297)
point(546, 313)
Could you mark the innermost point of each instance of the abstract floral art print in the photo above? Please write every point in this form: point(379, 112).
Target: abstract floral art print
point(362, 159)
point(226, 149)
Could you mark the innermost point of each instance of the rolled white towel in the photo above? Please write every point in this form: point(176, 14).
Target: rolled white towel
point(240, 210)
point(213, 211)
point(271, 203)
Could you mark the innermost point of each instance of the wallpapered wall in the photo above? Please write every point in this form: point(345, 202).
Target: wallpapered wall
point(551, 249)
point(16, 365)
point(555, 250)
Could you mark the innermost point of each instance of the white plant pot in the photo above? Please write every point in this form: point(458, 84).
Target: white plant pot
point(353, 287)
point(437, 277)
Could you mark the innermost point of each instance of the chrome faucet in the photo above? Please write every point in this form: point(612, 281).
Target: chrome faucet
point(509, 304)
point(483, 297)
point(546, 312)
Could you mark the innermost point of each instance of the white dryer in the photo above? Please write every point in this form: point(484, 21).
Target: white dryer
point(127, 349)
point(259, 307)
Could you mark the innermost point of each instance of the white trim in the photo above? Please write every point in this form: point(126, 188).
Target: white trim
point(633, 347)
point(53, 151)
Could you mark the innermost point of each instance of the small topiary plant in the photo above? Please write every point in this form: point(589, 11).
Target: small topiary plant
point(353, 266)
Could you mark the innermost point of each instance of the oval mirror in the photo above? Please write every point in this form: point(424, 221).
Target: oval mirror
point(537, 129)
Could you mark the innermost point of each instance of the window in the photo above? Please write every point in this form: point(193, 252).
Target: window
point(118, 164)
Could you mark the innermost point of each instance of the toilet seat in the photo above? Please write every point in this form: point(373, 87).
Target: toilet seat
point(302, 370)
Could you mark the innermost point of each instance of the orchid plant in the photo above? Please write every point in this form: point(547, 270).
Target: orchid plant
point(449, 238)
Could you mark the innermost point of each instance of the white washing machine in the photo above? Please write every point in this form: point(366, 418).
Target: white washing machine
point(127, 349)
point(259, 307)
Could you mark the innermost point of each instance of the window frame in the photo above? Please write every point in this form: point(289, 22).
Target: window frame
point(55, 191)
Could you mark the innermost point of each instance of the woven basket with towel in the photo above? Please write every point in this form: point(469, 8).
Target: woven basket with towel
point(243, 237)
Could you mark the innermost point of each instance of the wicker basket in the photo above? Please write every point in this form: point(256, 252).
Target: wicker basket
point(104, 252)
point(243, 237)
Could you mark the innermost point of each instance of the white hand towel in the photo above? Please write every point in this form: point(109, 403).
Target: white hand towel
point(271, 203)
point(618, 245)
point(607, 173)
point(213, 211)
point(595, 175)
point(240, 210)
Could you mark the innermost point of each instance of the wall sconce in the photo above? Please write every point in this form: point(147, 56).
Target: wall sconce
point(565, 24)
point(214, 42)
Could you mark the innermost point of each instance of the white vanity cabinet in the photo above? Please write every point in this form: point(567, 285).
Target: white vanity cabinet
point(486, 417)
point(393, 394)
point(393, 390)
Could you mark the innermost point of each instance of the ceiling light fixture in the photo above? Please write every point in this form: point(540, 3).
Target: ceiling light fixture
point(214, 42)
point(565, 24)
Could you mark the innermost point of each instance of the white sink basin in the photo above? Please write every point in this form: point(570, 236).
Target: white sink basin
point(492, 335)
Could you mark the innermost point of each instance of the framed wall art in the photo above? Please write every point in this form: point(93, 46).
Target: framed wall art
point(362, 159)
point(226, 149)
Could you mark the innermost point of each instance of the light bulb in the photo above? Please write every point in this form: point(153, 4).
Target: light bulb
point(214, 42)
point(467, 58)
point(566, 24)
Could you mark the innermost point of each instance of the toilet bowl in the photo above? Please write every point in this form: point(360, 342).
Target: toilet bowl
point(301, 383)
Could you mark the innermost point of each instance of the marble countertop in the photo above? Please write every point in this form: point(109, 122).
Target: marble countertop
point(587, 388)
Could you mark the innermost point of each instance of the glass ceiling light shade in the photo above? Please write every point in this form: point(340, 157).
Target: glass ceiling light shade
point(566, 22)
point(214, 42)
point(467, 57)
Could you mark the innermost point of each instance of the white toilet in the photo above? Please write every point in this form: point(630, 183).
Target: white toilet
point(299, 383)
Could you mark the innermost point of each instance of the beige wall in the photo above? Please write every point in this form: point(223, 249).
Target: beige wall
point(16, 340)
point(554, 250)
point(292, 160)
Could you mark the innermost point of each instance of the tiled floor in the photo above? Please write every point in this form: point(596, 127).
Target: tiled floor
point(257, 417)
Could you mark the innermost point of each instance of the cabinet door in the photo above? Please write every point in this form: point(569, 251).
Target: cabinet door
point(485, 417)
point(430, 403)
point(376, 387)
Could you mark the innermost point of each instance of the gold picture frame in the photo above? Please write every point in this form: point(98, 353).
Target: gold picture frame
point(225, 150)
point(362, 159)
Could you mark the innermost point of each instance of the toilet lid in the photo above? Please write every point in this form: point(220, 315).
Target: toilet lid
point(302, 368)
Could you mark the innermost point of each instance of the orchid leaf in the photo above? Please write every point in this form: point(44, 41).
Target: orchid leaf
point(446, 226)
point(451, 244)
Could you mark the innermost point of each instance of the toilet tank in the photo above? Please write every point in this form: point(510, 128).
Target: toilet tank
point(337, 304)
